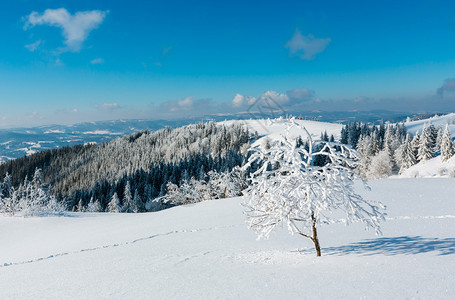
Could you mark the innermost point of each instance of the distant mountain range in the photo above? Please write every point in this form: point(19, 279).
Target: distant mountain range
point(18, 142)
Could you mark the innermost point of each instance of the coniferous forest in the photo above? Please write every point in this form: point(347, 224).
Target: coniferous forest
point(135, 169)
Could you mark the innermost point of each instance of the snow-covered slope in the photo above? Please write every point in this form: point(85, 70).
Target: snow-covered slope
point(205, 251)
point(275, 128)
point(417, 126)
point(434, 167)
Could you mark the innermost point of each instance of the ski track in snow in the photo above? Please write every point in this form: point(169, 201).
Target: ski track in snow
point(186, 231)
point(420, 217)
point(123, 244)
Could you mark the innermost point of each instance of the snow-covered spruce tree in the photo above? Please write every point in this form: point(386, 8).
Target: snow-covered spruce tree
point(446, 145)
point(287, 188)
point(439, 139)
point(407, 156)
point(9, 202)
point(426, 145)
point(114, 204)
point(137, 205)
point(363, 148)
point(415, 143)
point(127, 199)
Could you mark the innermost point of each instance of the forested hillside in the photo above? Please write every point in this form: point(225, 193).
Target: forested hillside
point(136, 166)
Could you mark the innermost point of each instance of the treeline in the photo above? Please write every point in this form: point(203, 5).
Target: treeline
point(351, 132)
point(147, 190)
point(146, 160)
point(388, 149)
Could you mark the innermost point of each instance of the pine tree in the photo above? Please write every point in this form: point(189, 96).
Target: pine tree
point(426, 145)
point(433, 132)
point(127, 199)
point(363, 147)
point(439, 139)
point(80, 206)
point(447, 150)
point(374, 144)
point(137, 202)
point(408, 158)
point(415, 144)
point(114, 204)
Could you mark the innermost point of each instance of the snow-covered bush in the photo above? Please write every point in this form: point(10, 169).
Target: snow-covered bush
point(31, 198)
point(219, 185)
point(381, 166)
point(287, 188)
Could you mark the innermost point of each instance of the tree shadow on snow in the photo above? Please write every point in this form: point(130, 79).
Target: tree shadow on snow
point(396, 246)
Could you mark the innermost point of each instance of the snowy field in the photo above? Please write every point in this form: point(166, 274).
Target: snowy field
point(205, 251)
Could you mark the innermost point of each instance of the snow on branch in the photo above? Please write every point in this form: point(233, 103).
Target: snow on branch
point(288, 188)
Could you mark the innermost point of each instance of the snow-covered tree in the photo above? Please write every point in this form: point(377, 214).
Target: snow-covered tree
point(364, 149)
point(226, 184)
point(114, 204)
point(30, 199)
point(287, 188)
point(439, 139)
point(9, 201)
point(415, 143)
point(174, 195)
point(80, 206)
point(381, 166)
point(127, 199)
point(447, 150)
point(374, 144)
point(406, 155)
point(93, 206)
point(137, 202)
point(426, 145)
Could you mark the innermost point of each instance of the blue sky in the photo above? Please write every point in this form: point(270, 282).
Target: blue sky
point(73, 61)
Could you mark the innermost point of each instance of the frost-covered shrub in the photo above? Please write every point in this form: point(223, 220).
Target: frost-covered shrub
point(381, 166)
point(31, 198)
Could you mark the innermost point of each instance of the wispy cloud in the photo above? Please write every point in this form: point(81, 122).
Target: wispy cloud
point(306, 47)
point(33, 46)
point(108, 106)
point(97, 61)
point(75, 28)
point(447, 86)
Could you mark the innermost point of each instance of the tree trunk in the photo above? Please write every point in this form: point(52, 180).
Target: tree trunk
point(315, 236)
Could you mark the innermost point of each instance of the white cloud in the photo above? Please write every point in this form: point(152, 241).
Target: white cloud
point(241, 100)
point(97, 61)
point(76, 28)
point(278, 98)
point(306, 47)
point(108, 106)
point(185, 103)
point(33, 46)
